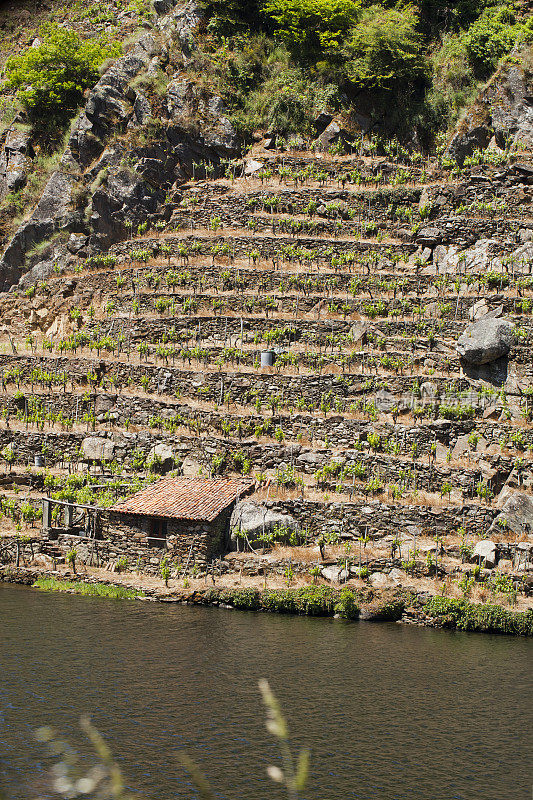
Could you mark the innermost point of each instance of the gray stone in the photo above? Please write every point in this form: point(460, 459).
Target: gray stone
point(253, 519)
point(429, 235)
point(385, 401)
point(95, 448)
point(516, 513)
point(379, 580)
point(163, 456)
point(509, 100)
point(525, 235)
point(190, 468)
point(142, 111)
point(329, 136)
point(310, 457)
point(75, 242)
point(333, 574)
point(487, 551)
point(104, 403)
point(14, 161)
point(40, 272)
point(47, 217)
point(396, 575)
point(252, 166)
point(467, 140)
point(461, 446)
point(358, 331)
point(486, 340)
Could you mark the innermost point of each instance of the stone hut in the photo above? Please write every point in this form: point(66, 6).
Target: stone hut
point(189, 517)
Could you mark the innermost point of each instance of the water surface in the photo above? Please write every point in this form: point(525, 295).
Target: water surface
point(390, 712)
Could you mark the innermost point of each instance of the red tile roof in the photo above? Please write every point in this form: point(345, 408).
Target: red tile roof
point(185, 498)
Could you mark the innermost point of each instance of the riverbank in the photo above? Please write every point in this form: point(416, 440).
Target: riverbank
point(398, 605)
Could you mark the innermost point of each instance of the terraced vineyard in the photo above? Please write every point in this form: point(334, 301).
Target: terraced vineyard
point(377, 452)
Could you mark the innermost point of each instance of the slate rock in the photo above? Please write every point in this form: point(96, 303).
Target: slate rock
point(487, 551)
point(486, 340)
point(516, 513)
point(252, 519)
point(14, 161)
point(104, 402)
point(466, 142)
point(96, 448)
point(333, 574)
point(379, 580)
point(164, 457)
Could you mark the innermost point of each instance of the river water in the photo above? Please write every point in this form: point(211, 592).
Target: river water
point(389, 711)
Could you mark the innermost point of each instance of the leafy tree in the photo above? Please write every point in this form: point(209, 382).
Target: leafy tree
point(50, 79)
point(310, 24)
point(490, 37)
point(384, 49)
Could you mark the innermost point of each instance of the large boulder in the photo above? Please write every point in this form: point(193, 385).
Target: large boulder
point(96, 448)
point(104, 402)
point(467, 140)
point(486, 340)
point(516, 513)
point(487, 552)
point(162, 458)
point(254, 519)
point(334, 574)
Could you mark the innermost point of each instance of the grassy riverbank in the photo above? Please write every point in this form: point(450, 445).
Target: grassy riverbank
point(309, 600)
point(87, 589)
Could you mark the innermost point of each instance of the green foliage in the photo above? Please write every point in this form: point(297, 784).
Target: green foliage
point(279, 63)
point(384, 49)
point(313, 24)
point(473, 617)
point(490, 37)
point(286, 101)
point(453, 81)
point(50, 79)
point(227, 17)
point(314, 601)
point(86, 589)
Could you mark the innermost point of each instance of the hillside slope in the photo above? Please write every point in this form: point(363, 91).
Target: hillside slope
point(163, 260)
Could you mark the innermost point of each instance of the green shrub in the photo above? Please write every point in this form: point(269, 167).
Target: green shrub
point(313, 601)
point(312, 24)
point(285, 102)
point(490, 37)
point(50, 79)
point(467, 616)
point(453, 81)
point(384, 49)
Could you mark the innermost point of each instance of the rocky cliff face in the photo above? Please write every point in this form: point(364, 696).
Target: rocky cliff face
point(502, 116)
point(100, 171)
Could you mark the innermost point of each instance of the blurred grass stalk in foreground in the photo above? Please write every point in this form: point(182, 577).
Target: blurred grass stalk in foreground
point(104, 781)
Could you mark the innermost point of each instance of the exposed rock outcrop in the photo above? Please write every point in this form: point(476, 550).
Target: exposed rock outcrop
point(127, 197)
point(14, 161)
point(253, 520)
point(486, 340)
point(516, 513)
point(503, 111)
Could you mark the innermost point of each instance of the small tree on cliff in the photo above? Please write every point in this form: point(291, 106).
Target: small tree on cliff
point(50, 78)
